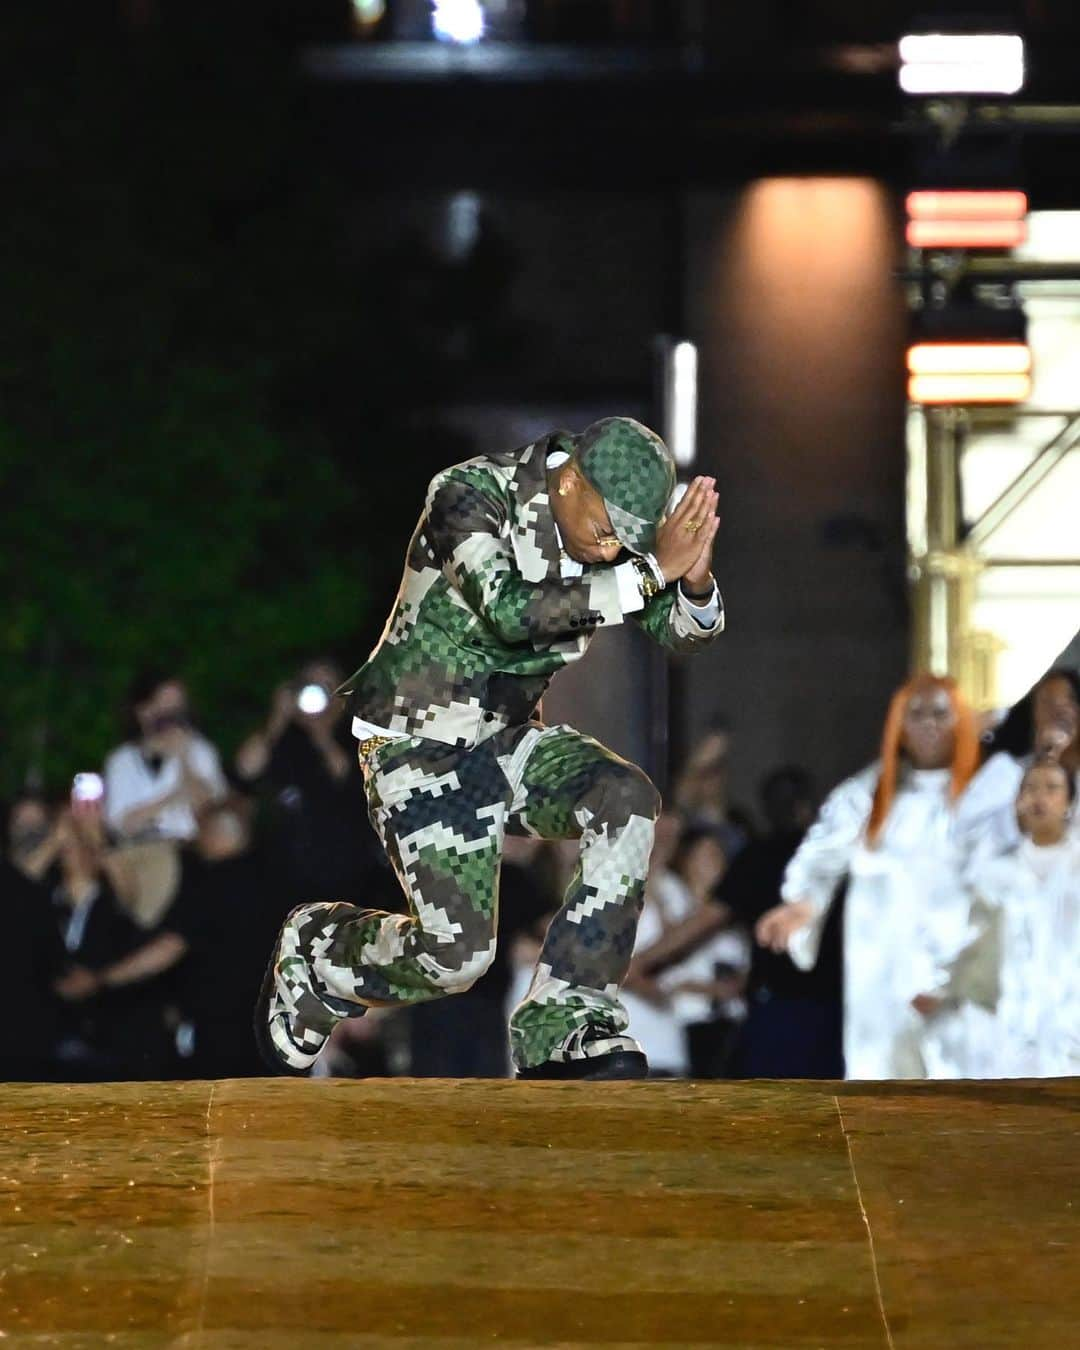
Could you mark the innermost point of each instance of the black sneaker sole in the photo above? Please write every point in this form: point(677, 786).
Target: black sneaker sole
point(619, 1064)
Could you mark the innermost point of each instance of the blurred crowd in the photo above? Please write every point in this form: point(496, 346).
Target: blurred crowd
point(923, 920)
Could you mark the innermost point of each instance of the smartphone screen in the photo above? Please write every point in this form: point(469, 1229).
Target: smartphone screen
point(87, 787)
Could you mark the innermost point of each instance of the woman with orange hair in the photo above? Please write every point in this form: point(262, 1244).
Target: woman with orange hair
point(892, 831)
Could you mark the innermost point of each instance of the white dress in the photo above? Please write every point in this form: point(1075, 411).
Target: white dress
point(1020, 976)
point(905, 918)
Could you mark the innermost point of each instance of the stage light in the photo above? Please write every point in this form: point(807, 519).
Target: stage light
point(944, 219)
point(682, 403)
point(969, 372)
point(966, 233)
point(948, 205)
point(961, 389)
point(460, 21)
point(962, 63)
point(969, 358)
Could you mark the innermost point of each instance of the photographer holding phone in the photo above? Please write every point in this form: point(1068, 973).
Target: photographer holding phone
point(158, 780)
point(303, 761)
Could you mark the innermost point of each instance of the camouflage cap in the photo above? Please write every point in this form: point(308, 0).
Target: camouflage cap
point(632, 469)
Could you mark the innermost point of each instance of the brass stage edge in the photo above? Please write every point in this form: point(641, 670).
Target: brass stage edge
point(341, 1215)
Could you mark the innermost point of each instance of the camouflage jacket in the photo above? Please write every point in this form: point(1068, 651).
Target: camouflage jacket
point(484, 618)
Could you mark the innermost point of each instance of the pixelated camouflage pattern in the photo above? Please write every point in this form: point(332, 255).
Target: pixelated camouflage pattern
point(442, 814)
point(632, 469)
point(483, 619)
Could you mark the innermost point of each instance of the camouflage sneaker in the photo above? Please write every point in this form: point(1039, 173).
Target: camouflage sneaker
point(292, 1022)
point(596, 1050)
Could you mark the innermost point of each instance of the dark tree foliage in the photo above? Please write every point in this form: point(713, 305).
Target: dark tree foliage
point(198, 378)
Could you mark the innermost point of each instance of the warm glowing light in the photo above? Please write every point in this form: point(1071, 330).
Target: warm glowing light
point(991, 219)
point(962, 63)
point(969, 388)
point(969, 358)
point(969, 372)
point(829, 227)
point(1009, 205)
point(966, 233)
point(460, 21)
point(368, 13)
point(805, 280)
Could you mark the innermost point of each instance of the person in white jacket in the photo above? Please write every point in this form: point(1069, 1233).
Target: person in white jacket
point(1017, 982)
point(892, 832)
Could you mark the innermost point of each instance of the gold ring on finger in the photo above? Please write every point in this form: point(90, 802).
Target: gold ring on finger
point(692, 526)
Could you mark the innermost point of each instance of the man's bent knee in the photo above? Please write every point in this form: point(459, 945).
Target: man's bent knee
point(623, 792)
point(456, 979)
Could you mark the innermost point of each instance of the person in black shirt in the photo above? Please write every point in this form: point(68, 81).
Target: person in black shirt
point(304, 761)
point(108, 1033)
point(227, 916)
point(28, 1040)
point(216, 938)
point(793, 1028)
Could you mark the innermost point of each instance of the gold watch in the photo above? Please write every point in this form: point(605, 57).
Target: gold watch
point(646, 581)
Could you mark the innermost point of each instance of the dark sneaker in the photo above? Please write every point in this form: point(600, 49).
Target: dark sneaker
point(593, 1051)
point(292, 1023)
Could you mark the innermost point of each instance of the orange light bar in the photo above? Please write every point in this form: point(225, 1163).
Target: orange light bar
point(996, 205)
point(966, 233)
point(969, 388)
point(969, 358)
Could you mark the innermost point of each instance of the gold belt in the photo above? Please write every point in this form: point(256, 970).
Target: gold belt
point(372, 744)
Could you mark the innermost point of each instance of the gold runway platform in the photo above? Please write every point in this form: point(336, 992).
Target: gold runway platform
point(342, 1215)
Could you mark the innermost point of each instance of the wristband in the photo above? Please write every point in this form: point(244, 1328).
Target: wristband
point(655, 568)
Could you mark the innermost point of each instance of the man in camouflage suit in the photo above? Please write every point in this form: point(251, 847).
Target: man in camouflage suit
point(517, 559)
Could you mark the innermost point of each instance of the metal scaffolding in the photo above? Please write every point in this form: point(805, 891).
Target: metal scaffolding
point(947, 556)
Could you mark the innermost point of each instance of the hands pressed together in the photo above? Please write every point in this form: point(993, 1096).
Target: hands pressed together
point(684, 542)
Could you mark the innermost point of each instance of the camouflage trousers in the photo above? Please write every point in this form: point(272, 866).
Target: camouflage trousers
point(442, 814)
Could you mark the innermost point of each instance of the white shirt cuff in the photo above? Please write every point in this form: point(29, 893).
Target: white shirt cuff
point(630, 596)
point(364, 730)
point(706, 615)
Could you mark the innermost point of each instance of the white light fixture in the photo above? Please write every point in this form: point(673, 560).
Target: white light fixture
point(684, 367)
point(460, 21)
point(680, 391)
point(969, 372)
point(962, 63)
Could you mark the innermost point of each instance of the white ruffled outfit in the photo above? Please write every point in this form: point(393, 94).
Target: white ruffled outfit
point(1019, 979)
point(906, 916)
